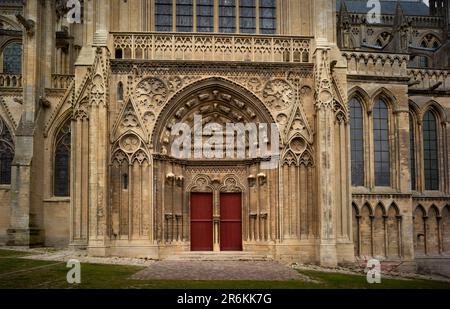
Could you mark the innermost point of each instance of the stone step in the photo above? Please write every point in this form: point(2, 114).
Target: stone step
point(220, 256)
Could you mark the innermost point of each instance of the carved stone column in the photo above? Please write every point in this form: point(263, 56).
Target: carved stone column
point(216, 231)
point(325, 154)
point(98, 155)
point(79, 203)
point(26, 193)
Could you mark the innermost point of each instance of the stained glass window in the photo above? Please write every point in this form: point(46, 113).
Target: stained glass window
point(227, 16)
point(430, 152)
point(247, 16)
point(6, 154)
point(412, 152)
point(381, 144)
point(357, 142)
point(205, 15)
point(163, 15)
point(267, 16)
point(186, 13)
point(185, 19)
point(12, 59)
point(61, 177)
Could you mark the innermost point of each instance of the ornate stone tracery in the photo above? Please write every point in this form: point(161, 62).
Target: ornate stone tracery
point(129, 148)
point(279, 94)
point(151, 93)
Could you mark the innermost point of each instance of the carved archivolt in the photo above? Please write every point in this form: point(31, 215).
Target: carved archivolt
point(215, 100)
point(153, 96)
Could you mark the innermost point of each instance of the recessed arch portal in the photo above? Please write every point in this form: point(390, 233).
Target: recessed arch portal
point(215, 100)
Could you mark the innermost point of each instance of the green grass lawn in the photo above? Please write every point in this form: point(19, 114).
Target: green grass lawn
point(25, 273)
point(11, 253)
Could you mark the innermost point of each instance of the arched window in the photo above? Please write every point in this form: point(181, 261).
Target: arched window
point(12, 59)
point(381, 144)
point(430, 152)
point(6, 154)
point(383, 39)
point(61, 178)
point(430, 41)
point(412, 152)
point(357, 142)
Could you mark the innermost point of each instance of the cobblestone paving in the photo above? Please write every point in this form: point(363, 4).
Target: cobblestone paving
point(217, 270)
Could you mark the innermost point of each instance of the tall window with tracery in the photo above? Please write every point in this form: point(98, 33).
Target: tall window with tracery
point(205, 15)
point(381, 144)
point(357, 142)
point(412, 152)
point(247, 16)
point(232, 16)
point(61, 176)
point(185, 17)
point(267, 16)
point(12, 59)
point(430, 152)
point(6, 154)
point(227, 16)
point(163, 9)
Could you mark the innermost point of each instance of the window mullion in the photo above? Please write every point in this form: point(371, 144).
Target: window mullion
point(194, 15)
point(257, 21)
point(237, 12)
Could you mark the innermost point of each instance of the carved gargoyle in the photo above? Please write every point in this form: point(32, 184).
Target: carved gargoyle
point(44, 102)
point(28, 24)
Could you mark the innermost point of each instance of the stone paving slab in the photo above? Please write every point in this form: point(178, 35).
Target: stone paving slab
point(218, 270)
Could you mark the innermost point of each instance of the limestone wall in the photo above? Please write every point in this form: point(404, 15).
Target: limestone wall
point(4, 213)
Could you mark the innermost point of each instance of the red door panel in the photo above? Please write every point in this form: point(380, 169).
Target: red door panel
point(201, 222)
point(230, 222)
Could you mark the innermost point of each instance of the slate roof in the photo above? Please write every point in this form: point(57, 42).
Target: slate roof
point(410, 7)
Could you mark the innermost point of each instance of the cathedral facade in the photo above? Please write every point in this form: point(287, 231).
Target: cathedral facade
point(92, 95)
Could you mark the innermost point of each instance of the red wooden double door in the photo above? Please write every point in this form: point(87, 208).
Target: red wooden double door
point(202, 222)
